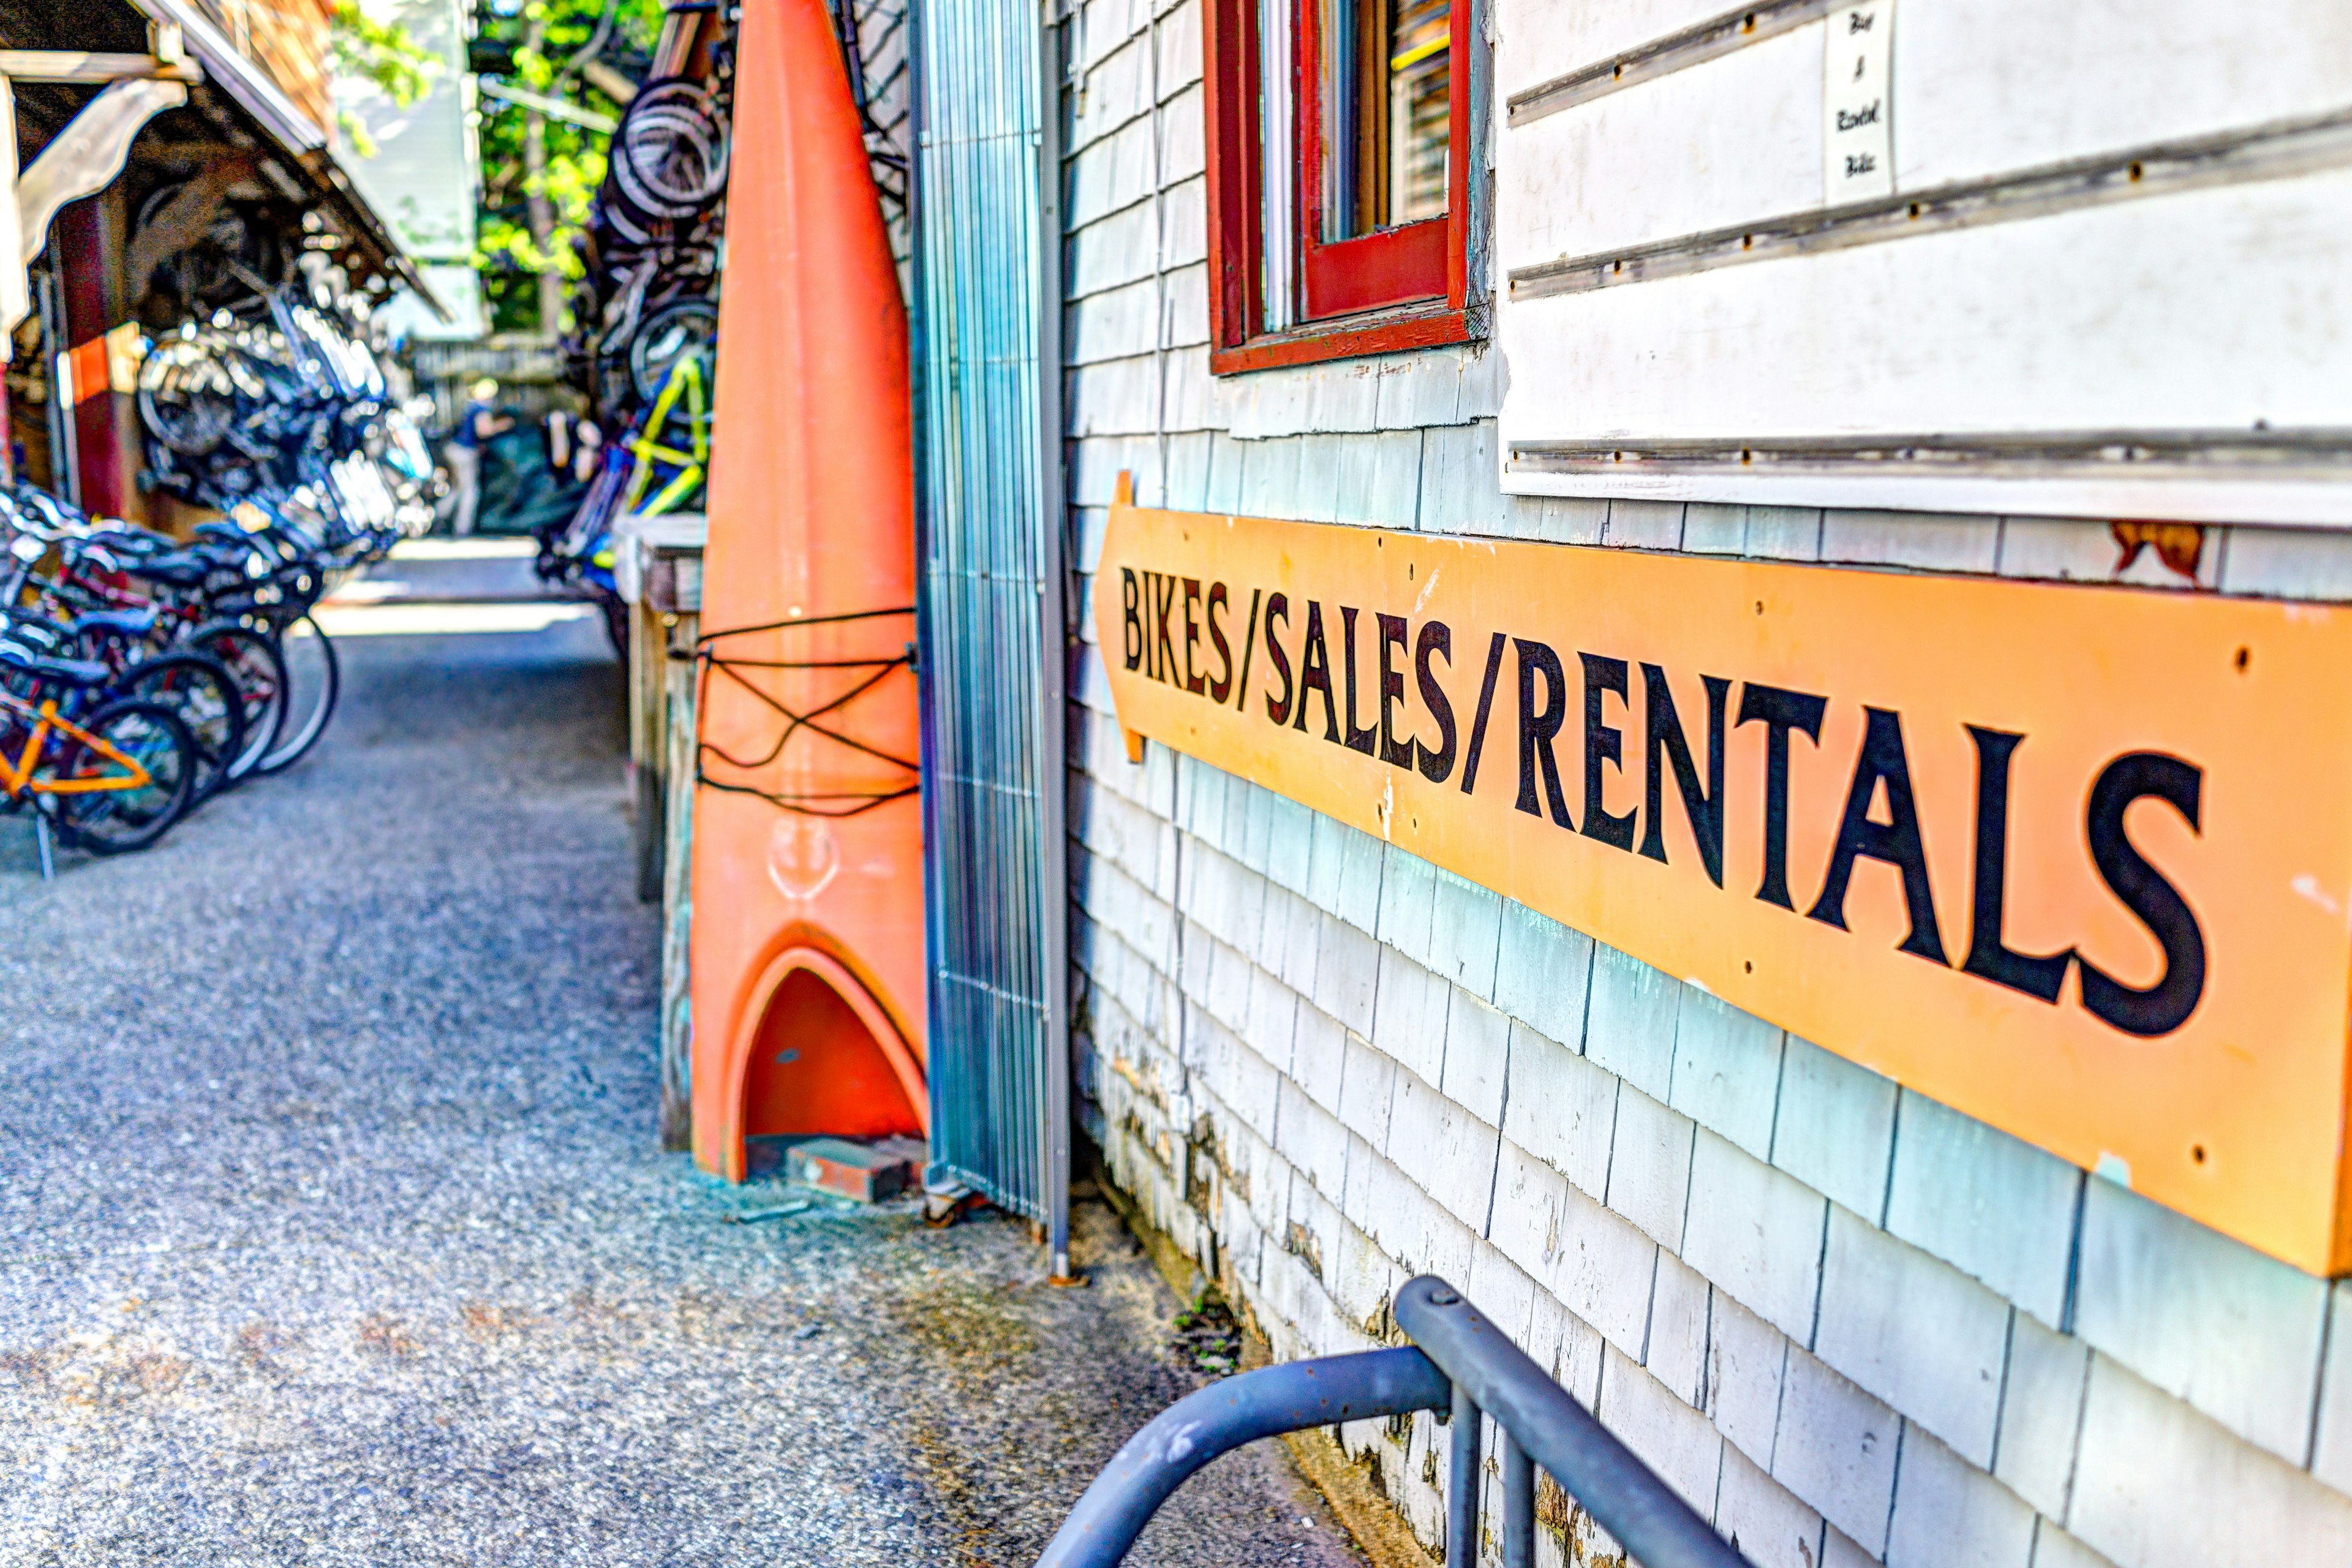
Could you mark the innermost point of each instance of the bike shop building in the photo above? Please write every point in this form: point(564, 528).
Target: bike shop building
point(167, 155)
point(1703, 679)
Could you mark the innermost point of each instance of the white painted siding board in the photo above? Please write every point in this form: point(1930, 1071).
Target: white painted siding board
point(1096, 464)
point(1996, 85)
point(1678, 1323)
point(1667, 1434)
point(1540, 39)
point(1188, 470)
point(1926, 542)
point(1120, 397)
point(1756, 1233)
point(2204, 308)
point(1465, 926)
point(1270, 477)
point(1542, 971)
point(1320, 461)
point(1186, 320)
point(2288, 563)
point(1409, 1015)
point(1769, 1525)
point(1478, 1056)
point(1112, 325)
point(1784, 532)
point(2160, 1486)
point(1113, 93)
point(1418, 390)
point(1644, 525)
point(1650, 1165)
point(1988, 1203)
point(1726, 1072)
point(1178, 39)
point(1318, 1055)
point(1347, 398)
point(1113, 251)
point(1183, 136)
point(1114, 173)
point(1735, 140)
point(1226, 475)
point(1950, 1514)
point(1630, 1027)
point(1526, 1222)
point(1448, 1152)
point(1190, 402)
point(1561, 1108)
point(1184, 222)
point(1835, 1129)
point(1714, 529)
point(1836, 1449)
point(2041, 1413)
point(1601, 1270)
point(2204, 1318)
point(1745, 1357)
point(1914, 1332)
point(1458, 490)
point(2053, 1548)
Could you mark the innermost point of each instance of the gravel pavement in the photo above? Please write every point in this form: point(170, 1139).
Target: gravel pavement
point(332, 1228)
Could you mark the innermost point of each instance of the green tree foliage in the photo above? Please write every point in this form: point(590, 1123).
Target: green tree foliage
point(544, 44)
point(385, 54)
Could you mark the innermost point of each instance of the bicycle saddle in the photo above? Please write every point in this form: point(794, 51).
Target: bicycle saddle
point(69, 671)
point(178, 570)
point(129, 623)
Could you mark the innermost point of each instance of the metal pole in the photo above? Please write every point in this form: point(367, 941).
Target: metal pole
point(1518, 1504)
point(1462, 1483)
point(1053, 645)
point(1222, 1417)
point(1544, 1424)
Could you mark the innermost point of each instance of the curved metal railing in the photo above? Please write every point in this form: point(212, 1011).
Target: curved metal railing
point(1460, 1362)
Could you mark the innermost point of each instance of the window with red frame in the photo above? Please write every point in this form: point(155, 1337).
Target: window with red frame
point(1338, 201)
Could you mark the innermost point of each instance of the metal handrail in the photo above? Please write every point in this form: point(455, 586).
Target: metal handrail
point(1463, 1361)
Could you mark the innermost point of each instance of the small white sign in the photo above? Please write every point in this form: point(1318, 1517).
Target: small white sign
point(1858, 104)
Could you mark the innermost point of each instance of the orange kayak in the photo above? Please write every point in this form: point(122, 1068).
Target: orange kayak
point(807, 957)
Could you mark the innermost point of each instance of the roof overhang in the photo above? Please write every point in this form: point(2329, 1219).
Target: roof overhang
point(301, 140)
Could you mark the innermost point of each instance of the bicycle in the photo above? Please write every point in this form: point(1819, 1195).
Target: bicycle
point(113, 782)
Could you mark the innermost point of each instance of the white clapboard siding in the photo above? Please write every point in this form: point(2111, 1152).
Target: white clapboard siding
point(1986, 86)
point(2020, 82)
point(1538, 40)
point(2205, 309)
point(1982, 88)
point(1737, 140)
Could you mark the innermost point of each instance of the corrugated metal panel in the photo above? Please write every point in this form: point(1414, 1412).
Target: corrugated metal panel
point(989, 496)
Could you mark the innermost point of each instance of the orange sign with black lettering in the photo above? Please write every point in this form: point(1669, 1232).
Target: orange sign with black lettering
point(2062, 858)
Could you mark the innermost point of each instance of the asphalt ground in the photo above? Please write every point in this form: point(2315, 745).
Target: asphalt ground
point(333, 1228)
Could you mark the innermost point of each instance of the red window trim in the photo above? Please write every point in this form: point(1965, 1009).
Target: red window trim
point(1357, 281)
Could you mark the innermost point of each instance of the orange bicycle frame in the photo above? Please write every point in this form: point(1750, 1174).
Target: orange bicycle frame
point(16, 775)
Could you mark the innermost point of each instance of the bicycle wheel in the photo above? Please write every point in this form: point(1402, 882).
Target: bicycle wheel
point(115, 821)
point(680, 331)
point(252, 661)
point(314, 679)
point(205, 696)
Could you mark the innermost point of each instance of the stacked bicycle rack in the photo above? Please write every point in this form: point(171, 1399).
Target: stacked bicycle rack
point(141, 674)
point(642, 349)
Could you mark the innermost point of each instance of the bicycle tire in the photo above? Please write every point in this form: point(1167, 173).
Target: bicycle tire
point(202, 692)
point(110, 822)
point(306, 716)
point(680, 329)
point(255, 663)
point(668, 159)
